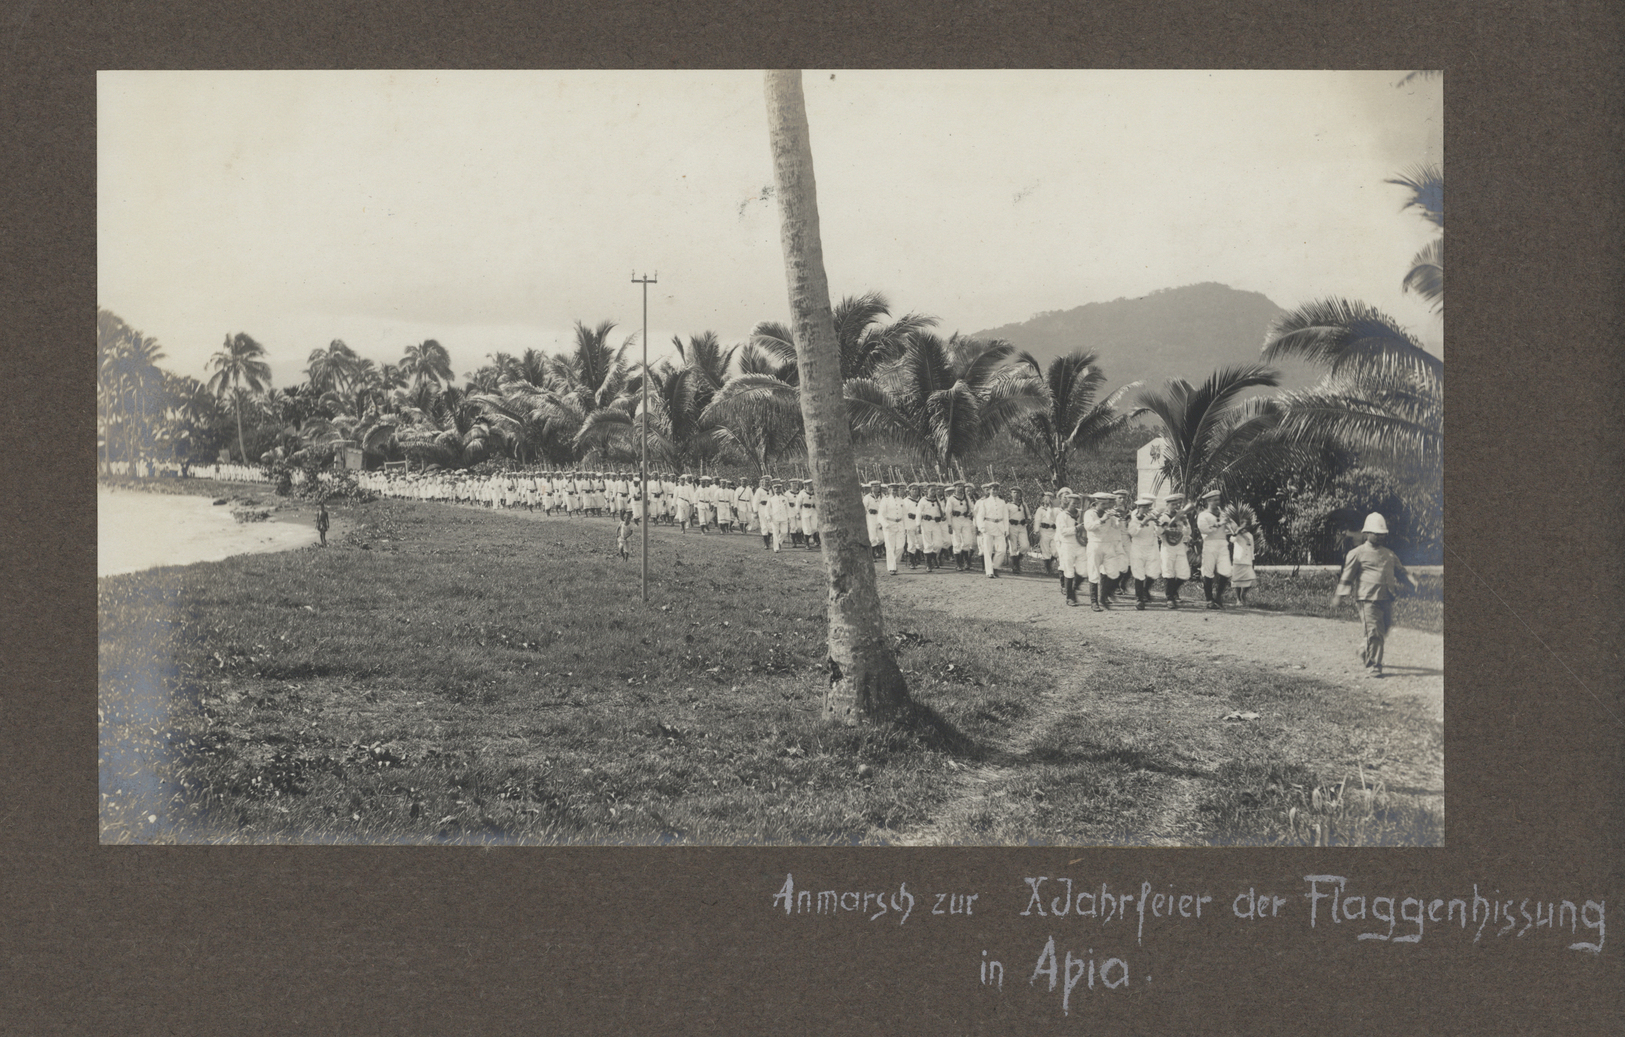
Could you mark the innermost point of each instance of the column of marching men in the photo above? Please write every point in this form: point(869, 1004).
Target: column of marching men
point(1106, 540)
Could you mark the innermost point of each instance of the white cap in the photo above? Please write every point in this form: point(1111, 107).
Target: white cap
point(1375, 523)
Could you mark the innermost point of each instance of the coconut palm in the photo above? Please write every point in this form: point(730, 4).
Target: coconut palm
point(1426, 275)
point(940, 413)
point(332, 369)
point(1383, 394)
point(705, 355)
point(860, 661)
point(427, 362)
point(1073, 419)
point(865, 343)
point(681, 434)
point(241, 372)
point(1208, 429)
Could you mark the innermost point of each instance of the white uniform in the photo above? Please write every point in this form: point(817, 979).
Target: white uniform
point(1068, 552)
point(1097, 532)
point(961, 525)
point(1215, 544)
point(933, 529)
point(893, 517)
point(809, 514)
point(993, 529)
point(1176, 560)
point(1044, 517)
point(871, 517)
point(1144, 547)
point(1018, 529)
point(779, 511)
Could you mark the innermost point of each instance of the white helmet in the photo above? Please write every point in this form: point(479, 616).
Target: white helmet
point(1375, 523)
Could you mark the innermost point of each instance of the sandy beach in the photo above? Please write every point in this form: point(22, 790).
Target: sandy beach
point(137, 530)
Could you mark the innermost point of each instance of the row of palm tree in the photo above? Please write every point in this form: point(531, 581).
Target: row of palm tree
point(936, 401)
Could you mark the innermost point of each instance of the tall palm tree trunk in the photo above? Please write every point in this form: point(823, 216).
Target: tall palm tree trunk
point(864, 678)
point(241, 448)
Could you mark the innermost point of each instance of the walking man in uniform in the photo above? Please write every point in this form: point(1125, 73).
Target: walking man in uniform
point(1176, 560)
point(1215, 549)
point(1372, 574)
point(992, 528)
point(1144, 551)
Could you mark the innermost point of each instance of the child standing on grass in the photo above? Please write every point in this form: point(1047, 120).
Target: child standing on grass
point(321, 521)
point(623, 536)
point(1242, 576)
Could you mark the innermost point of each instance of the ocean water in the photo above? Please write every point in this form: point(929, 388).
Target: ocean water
point(136, 531)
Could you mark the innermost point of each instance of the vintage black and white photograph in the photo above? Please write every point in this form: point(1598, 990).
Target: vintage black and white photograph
point(824, 457)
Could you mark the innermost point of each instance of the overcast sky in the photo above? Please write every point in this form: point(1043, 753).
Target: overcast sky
point(492, 210)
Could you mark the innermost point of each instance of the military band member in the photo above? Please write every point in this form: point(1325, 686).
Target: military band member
point(1215, 533)
point(992, 528)
point(794, 497)
point(1069, 546)
point(1175, 559)
point(762, 502)
point(1098, 537)
point(1144, 551)
point(705, 503)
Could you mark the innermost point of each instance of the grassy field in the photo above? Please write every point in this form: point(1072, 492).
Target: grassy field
point(443, 674)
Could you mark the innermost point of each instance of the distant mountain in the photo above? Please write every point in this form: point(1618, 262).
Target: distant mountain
point(1173, 333)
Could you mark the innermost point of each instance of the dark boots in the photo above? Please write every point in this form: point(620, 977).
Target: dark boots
point(1070, 585)
point(1171, 587)
point(767, 541)
point(1097, 596)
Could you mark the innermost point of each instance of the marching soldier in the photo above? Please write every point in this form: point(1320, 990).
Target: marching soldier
point(744, 506)
point(686, 494)
point(778, 506)
point(992, 527)
point(809, 517)
point(1176, 561)
point(1020, 533)
point(912, 544)
point(871, 517)
point(724, 505)
point(1215, 549)
point(893, 518)
point(931, 526)
point(762, 501)
point(1144, 551)
point(1044, 517)
point(961, 526)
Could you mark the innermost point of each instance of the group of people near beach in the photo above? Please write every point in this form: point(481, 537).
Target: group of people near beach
point(1105, 540)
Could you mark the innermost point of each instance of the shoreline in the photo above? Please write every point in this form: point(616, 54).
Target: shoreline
point(141, 528)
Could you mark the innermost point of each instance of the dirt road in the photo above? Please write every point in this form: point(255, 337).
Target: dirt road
point(1327, 649)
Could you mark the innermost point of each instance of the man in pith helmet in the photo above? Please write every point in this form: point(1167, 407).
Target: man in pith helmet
point(761, 500)
point(1372, 573)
